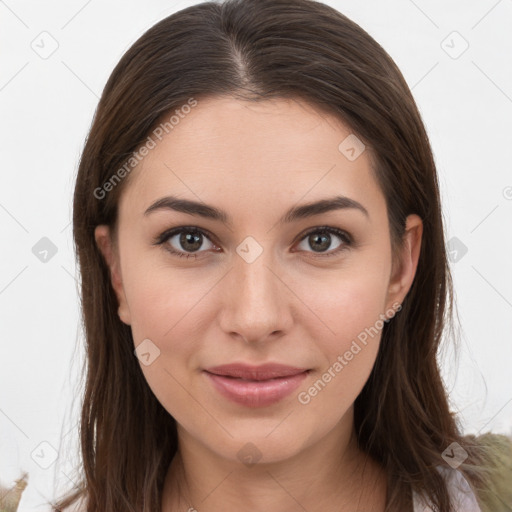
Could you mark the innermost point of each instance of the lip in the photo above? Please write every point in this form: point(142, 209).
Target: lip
point(255, 386)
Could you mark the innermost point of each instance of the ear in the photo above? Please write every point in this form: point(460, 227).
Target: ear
point(108, 248)
point(404, 268)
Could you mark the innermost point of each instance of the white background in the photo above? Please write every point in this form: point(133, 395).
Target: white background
point(47, 107)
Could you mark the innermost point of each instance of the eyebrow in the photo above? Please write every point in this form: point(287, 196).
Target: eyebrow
point(293, 214)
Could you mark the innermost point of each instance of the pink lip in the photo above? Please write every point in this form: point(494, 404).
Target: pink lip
point(256, 386)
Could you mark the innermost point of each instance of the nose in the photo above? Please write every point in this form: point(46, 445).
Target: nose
point(256, 300)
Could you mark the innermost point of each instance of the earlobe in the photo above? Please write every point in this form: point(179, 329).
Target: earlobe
point(106, 246)
point(404, 270)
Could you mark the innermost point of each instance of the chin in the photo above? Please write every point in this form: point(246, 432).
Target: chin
point(266, 443)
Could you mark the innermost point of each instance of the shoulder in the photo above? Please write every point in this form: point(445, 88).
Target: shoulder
point(461, 493)
point(494, 493)
point(462, 497)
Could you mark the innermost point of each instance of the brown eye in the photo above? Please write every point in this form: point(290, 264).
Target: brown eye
point(185, 242)
point(320, 240)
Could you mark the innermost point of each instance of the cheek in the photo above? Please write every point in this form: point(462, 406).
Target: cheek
point(348, 356)
point(355, 320)
point(347, 332)
point(353, 311)
point(167, 307)
point(163, 300)
point(162, 311)
point(343, 305)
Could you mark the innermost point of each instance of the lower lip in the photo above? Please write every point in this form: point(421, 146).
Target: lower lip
point(256, 393)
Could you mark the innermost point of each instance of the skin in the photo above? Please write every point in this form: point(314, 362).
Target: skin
point(291, 305)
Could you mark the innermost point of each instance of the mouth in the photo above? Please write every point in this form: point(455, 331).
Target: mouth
point(255, 386)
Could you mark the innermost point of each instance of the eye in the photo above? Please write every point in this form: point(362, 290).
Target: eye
point(184, 241)
point(320, 238)
point(187, 241)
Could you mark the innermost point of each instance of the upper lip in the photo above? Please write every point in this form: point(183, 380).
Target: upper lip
point(262, 372)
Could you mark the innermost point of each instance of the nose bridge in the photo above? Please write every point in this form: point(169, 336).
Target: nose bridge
point(256, 282)
point(255, 301)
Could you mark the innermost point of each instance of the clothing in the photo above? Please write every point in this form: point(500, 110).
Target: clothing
point(461, 495)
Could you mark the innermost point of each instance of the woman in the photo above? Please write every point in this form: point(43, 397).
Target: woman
point(264, 277)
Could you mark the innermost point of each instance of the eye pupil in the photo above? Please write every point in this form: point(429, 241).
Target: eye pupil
point(323, 239)
point(188, 241)
point(190, 238)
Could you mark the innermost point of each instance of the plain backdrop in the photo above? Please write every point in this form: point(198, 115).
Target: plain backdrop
point(56, 57)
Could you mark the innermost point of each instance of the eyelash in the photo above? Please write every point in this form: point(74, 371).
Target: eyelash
point(166, 235)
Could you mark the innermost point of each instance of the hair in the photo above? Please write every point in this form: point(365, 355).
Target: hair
point(257, 50)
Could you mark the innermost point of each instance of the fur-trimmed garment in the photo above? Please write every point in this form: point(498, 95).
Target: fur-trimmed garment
point(497, 496)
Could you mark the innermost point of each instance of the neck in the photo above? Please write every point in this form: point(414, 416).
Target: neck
point(330, 475)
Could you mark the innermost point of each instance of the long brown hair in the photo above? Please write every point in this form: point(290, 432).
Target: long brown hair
point(257, 50)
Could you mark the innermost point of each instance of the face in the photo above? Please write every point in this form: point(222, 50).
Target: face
point(308, 290)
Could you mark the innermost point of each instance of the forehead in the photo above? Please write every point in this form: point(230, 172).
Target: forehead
point(259, 154)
